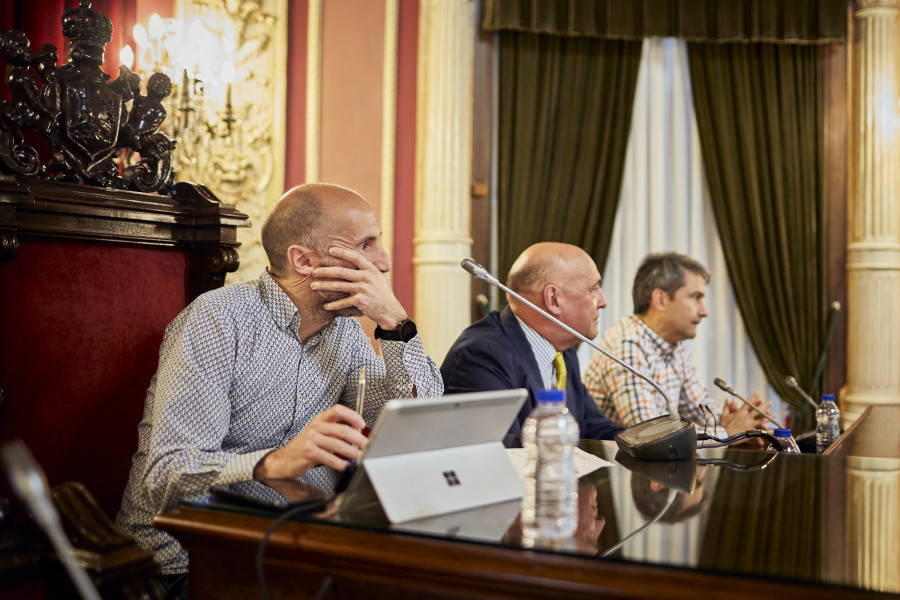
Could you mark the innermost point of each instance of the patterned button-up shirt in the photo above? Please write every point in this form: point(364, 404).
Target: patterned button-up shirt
point(626, 398)
point(235, 382)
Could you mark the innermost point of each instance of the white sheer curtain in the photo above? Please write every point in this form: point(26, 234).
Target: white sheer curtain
point(665, 206)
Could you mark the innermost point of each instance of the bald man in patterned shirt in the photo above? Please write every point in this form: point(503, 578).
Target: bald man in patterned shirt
point(256, 380)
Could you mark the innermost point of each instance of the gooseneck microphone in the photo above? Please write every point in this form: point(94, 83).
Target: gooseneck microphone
point(730, 390)
point(793, 383)
point(669, 437)
point(30, 483)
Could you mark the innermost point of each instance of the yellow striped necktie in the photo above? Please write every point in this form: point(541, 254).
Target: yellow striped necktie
point(560, 365)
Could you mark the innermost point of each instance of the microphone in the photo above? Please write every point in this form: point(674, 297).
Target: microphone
point(793, 383)
point(669, 437)
point(730, 390)
point(30, 483)
point(823, 354)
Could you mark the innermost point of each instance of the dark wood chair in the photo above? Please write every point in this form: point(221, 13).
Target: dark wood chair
point(99, 251)
point(90, 278)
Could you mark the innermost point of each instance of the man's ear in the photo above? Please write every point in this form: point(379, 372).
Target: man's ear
point(551, 299)
point(302, 260)
point(659, 299)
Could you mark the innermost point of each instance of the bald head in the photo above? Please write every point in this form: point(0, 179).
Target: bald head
point(563, 280)
point(306, 215)
point(543, 264)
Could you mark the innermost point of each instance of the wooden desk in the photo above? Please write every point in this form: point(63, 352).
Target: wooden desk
point(873, 433)
point(764, 533)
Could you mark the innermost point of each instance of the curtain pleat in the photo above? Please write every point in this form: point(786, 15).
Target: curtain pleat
point(760, 117)
point(772, 21)
point(664, 205)
point(564, 115)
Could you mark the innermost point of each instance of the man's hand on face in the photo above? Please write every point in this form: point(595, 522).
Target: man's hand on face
point(330, 438)
point(366, 287)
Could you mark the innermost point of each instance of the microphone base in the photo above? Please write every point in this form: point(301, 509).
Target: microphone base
point(660, 439)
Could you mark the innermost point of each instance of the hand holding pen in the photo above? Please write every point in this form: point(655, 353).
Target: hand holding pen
point(361, 396)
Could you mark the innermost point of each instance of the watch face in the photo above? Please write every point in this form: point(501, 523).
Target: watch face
point(407, 330)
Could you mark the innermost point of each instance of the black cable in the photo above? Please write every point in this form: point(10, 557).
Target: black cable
point(750, 433)
point(705, 407)
point(762, 463)
point(260, 575)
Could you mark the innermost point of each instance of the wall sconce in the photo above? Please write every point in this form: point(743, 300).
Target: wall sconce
point(215, 113)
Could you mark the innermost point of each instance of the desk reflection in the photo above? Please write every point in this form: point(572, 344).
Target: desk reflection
point(587, 533)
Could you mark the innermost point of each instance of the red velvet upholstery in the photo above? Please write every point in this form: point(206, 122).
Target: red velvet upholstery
point(80, 328)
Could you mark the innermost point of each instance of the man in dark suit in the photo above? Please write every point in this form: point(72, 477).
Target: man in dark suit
point(520, 348)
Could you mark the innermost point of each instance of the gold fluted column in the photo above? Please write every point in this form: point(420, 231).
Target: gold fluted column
point(443, 171)
point(873, 251)
point(872, 544)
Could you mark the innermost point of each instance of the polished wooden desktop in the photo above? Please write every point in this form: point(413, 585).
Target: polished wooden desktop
point(873, 433)
point(761, 525)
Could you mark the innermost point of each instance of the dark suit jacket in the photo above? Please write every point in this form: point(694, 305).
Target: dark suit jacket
point(494, 354)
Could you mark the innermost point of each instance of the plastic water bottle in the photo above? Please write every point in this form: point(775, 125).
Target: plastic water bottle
point(828, 423)
point(787, 441)
point(550, 504)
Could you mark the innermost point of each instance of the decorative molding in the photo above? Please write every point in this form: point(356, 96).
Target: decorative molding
point(253, 256)
point(246, 165)
point(192, 218)
point(9, 246)
point(209, 266)
point(85, 120)
point(389, 122)
point(313, 91)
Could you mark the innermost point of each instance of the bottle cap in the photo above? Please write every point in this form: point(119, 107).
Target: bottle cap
point(551, 395)
point(783, 433)
point(827, 397)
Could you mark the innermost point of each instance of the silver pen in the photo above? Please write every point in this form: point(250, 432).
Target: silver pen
point(361, 391)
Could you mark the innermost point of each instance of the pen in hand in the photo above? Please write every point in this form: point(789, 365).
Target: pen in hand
point(361, 391)
point(361, 396)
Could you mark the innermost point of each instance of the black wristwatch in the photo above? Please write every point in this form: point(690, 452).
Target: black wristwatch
point(405, 331)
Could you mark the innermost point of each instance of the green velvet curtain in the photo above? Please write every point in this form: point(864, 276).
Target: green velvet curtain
point(760, 117)
point(564, 116)
point(567, 77)
point(775, 21)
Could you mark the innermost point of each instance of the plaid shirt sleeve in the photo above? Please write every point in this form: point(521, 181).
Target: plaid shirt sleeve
point(634, 398)
point(620, 394)
point(628, 399)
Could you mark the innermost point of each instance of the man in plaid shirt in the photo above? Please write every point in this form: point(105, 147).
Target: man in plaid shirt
point(668, 293)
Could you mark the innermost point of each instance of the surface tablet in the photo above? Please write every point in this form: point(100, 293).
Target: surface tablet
point(423, 424)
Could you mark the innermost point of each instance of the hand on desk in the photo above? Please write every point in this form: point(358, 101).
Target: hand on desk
point(330, 438)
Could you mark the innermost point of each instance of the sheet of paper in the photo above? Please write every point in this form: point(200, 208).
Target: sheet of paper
point(584, 462)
